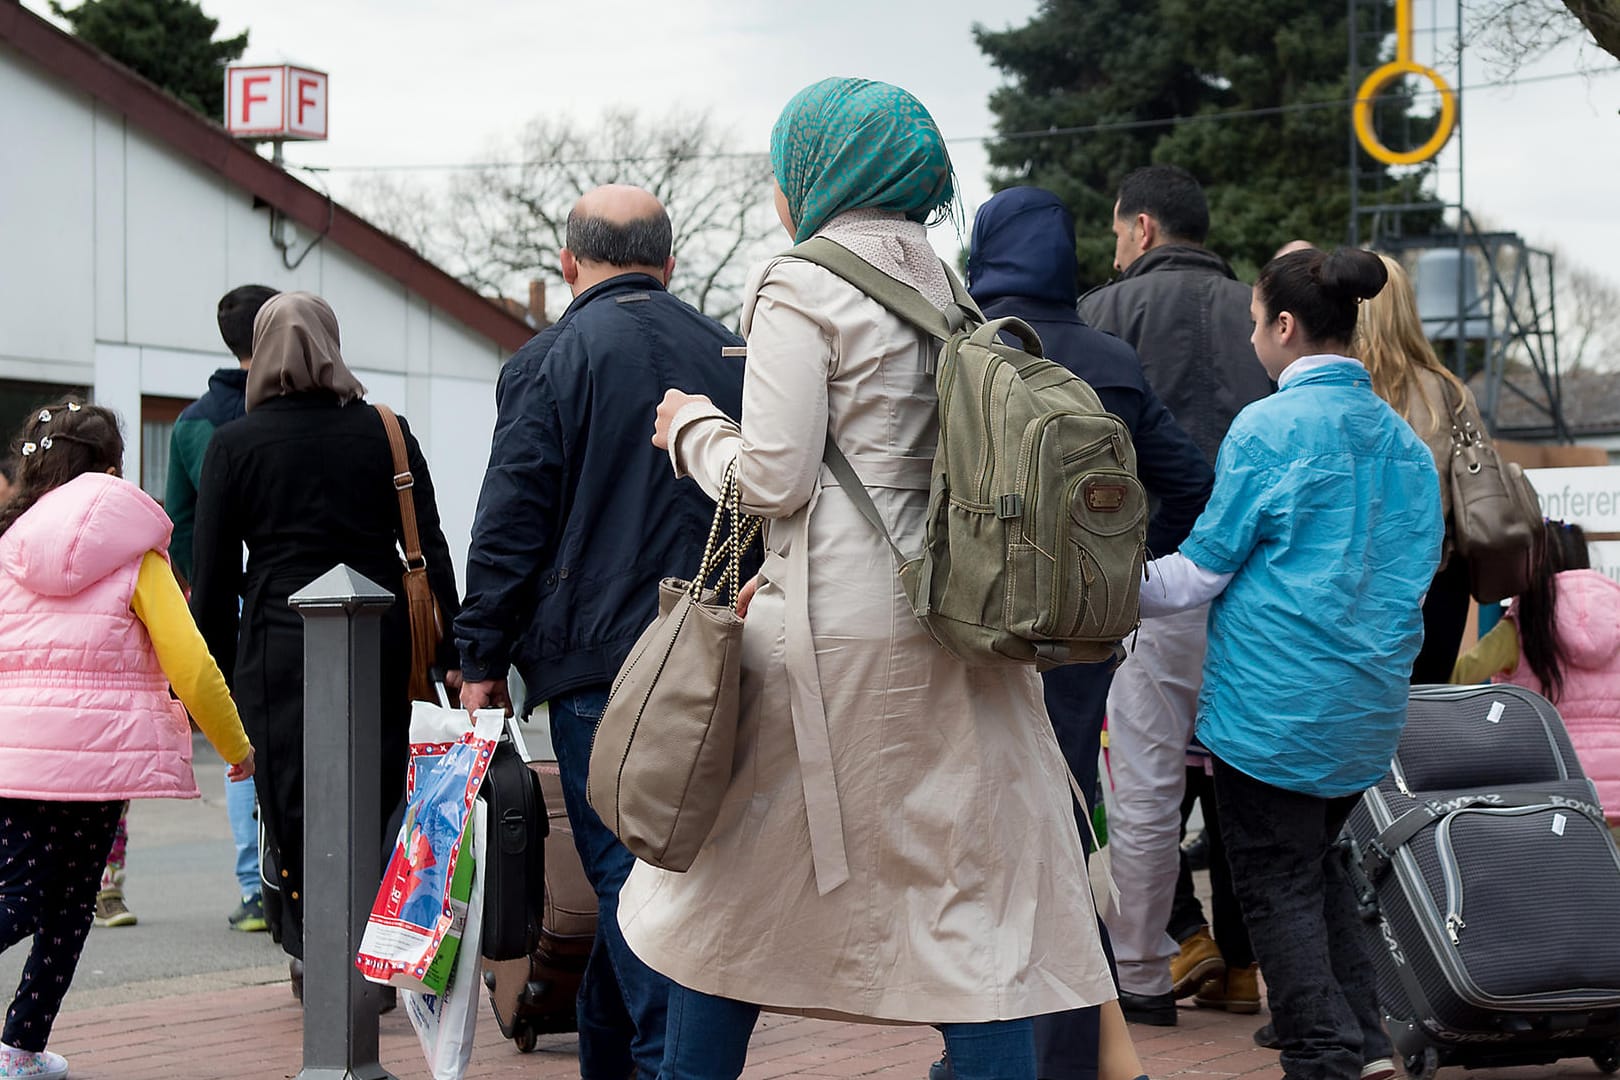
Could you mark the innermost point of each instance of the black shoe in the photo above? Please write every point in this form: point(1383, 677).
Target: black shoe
point(1266, 1038)
point(941, 1069)
point(295, 970)
point(1157, 1010)
point(1197, 851)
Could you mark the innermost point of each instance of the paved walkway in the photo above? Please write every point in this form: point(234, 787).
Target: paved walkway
point(255, 1033)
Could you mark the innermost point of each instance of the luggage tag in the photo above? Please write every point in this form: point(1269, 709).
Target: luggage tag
point(1495, 715)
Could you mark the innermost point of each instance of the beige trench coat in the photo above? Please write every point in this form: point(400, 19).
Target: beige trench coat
point(897, 842)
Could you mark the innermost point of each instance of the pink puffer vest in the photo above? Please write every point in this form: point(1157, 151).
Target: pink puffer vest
point(1589, 629)
point(85, 712)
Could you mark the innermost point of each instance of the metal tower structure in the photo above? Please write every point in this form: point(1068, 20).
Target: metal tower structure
point(1486, 297)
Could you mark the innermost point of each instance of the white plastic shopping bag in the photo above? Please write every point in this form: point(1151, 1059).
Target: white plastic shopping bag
point(445, 1022)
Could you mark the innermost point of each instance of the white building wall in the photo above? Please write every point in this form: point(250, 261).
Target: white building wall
point(117, 250)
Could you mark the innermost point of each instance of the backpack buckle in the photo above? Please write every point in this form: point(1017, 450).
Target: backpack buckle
point(1010, 506)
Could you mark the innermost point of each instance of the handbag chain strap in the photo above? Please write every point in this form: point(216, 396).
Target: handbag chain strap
point(744, 528)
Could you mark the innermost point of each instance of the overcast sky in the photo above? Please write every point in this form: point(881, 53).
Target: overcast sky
point(431, 81)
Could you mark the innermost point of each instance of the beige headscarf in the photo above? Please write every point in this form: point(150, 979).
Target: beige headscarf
point(295, 348)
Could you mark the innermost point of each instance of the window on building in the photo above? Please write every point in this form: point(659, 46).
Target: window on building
point(158, 415)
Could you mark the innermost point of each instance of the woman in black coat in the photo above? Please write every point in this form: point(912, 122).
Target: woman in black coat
point(305, 481)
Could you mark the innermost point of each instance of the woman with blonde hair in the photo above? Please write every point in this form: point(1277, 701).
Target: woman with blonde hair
point(1406, 373)
point(897, 842)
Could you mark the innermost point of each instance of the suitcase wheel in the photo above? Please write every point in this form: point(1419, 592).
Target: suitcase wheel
point(1608, 1062)
point(523, 1034)
point(1422, 1066)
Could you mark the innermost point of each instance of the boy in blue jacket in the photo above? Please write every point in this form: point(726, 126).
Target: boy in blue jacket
point(1316, 548)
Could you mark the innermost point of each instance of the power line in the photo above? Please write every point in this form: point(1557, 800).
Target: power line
point(1013, 136)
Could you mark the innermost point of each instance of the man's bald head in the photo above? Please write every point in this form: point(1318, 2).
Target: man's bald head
point(616, 229)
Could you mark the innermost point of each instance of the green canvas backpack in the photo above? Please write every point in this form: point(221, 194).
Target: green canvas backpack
point(1037, 524)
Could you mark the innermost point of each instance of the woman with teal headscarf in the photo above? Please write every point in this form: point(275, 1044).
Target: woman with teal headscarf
point(897, 841)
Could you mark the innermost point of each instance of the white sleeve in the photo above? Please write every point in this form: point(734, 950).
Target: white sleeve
point(1175, 583)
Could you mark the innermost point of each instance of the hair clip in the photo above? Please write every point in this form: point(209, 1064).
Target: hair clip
point(44, 416)
point(45, 443)
point(28, 448)
point(74, 406)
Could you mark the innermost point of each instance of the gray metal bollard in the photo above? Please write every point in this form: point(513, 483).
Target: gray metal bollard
point(342, 614)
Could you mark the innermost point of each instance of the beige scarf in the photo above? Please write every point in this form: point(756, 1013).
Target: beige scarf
point(895, 245)
point(295, 348)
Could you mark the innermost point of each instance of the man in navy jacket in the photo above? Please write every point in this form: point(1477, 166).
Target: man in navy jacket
point(579, 518)
point(1023, 264)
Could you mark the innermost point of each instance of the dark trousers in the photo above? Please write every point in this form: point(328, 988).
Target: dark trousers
point(51, 856)
point(1302, 917)
point(1445, 617)
point(1187, 914)
point(623, 1003)
point(1066, 1043)
point(708, 1040)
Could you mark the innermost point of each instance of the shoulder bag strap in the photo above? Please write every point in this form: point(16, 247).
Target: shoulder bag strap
point(403, 483)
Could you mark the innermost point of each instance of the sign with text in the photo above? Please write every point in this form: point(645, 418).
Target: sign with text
point(1588, 496)
point(278, 101)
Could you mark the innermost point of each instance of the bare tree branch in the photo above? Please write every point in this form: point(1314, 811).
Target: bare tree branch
point(498, 227)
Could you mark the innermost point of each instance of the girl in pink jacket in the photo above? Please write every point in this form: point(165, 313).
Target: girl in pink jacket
point(93, 632)
point(1562, 640)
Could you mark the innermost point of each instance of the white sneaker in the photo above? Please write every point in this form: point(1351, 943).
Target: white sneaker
point(1382, 1069)
point(41, 1066)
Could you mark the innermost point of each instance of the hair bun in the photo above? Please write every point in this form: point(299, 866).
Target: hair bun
point(1352, 272)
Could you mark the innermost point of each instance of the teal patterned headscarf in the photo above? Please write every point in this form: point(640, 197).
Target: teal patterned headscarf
point(855, 144)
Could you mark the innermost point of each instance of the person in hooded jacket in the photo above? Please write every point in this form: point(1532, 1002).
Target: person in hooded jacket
point(93, 632)
point(1561, 638)
point(1022, 263)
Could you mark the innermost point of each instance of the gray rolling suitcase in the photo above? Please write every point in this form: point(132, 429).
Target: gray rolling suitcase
point(1490, 886)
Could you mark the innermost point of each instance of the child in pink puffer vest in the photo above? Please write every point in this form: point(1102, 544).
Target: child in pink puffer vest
point(1562, 640)
point(93, 632)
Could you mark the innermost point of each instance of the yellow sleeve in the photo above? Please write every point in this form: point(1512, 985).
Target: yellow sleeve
point(1496, 654)
point(184, 657)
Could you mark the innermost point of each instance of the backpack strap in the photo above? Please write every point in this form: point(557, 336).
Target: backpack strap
point(895, 295)
point(850, 481)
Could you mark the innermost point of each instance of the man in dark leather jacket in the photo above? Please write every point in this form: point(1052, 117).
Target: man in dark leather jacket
point(1022, 263)
point(1183, 309)
point(578, 520)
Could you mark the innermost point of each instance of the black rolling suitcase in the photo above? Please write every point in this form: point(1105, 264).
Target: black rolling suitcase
point(1491, 888)
point(514, 855)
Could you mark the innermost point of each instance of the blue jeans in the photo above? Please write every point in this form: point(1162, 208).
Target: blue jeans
point(239, 803)
point(622, 1001)
point(708, 1040)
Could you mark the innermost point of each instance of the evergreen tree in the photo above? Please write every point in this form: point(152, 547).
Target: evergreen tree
point(1123, 64)
point(170, 42)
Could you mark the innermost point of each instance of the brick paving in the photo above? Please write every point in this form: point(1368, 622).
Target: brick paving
point(255, 1033)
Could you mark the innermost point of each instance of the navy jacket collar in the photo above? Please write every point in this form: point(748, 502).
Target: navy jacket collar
point(633, 282)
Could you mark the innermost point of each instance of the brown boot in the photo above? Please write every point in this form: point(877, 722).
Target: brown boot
point(1238, 991)
point(1198, 962)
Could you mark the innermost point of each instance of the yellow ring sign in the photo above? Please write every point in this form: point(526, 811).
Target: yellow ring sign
point(1383, 78)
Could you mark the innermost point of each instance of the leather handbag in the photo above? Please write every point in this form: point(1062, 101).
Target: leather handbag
point(661, 758)
point(427, 622)
point(1495, 518)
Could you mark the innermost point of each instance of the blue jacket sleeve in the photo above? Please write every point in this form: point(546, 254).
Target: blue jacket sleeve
point(1174, 471)
point(519, 512)
point(1235, 521)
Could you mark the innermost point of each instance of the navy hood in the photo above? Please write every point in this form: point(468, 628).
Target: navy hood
point(1023, 245)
